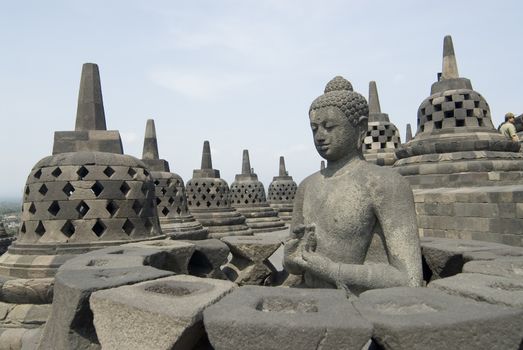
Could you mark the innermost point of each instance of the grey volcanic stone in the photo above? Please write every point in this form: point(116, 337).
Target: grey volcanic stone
point(421, 318)
point(501, 253)
point(250, 259)
point(178, 253)
point(161, 314)
point(338, 210)
point(480, 287)
point(282, 191)
point(284, 318)
point(504, 267)
point(27, 291)
point(444, 257)
point(208, 257)
point(70, 324)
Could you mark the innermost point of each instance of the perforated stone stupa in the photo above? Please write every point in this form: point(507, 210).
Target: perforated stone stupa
point(75, 202)
point(5, 239)
point(382, 137)
point(175, 219)
point(282, 191)
point(247, 195)
point(466, 177)
point(208, 200)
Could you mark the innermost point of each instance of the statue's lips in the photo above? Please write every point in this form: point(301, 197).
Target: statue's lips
point(322, 147)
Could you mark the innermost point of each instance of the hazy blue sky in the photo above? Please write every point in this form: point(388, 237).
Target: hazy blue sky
point(241, 74)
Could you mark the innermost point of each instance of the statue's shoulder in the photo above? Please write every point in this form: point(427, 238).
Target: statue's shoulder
point(380, 178)
point(311, 179)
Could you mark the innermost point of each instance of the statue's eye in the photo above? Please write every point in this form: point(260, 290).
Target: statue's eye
point(314, 127)
point(329, 126)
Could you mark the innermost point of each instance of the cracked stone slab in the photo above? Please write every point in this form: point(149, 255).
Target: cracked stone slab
point(208, 257)
point(27, 291)
point(422, 318)
point(490, 289)
point(162, 314)
point(255, 317)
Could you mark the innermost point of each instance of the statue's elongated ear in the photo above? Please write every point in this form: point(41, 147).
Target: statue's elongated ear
point(363, 122)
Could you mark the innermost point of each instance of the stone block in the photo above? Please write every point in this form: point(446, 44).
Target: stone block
point(491, 254)
point(444, 257)
point(485, 288)
point(178, 253)
point(27, 291)
point(422, 318)
point(504, 267)
point(254, 317)
point(208, 257)
point(250, 259)
point(161, 314)
point(70, 324)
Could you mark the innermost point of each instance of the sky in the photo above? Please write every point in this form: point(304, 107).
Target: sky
point(239, 73)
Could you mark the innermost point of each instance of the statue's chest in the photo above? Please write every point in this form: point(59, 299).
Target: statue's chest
point(339, 206)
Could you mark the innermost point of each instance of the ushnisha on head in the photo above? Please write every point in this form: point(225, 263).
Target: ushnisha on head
point(339, 120)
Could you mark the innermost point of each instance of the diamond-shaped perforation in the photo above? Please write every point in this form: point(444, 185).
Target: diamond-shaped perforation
point(43, 189)
point(112, 208)
point(165, 211)
point(131, 172)
point(125, 188)
point(137, 206)
point(97, 188)
point(22, 228)
point(56, 172)
point(128, 227)
point(68, 229)
point(38, 174)
point(82, 172)
point(82, 208)
point(40, 229)
point(109, 171)
point(32, 208)
point(54, 208)
point(68, 189)
point(99, 228)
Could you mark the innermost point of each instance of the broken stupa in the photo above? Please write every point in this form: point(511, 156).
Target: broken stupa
point(208, 200)
point(466, 176)
point(171, 201)
point(247, 195)
point(282, 191)
point(382, 136)
point(86, 196)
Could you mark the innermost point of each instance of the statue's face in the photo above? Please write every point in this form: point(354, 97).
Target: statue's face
point(334, 136)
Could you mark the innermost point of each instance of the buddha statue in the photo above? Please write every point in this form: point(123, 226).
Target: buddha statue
point(338, 209)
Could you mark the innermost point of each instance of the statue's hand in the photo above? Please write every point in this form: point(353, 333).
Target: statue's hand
point(302, 230)
point(320, 265)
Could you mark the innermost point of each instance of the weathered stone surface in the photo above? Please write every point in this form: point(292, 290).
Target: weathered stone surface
point(501, 253)
point(338, 210)
point(284, 318)
point(504, 267)
point(250, 259)
point(27, 315)
point(208, 257)
point(18, 338)
point(161, 314)
point(27, 291)
point(422, 318)
point(444, 257)
point(490, 289)
point(70, 324)
point(178, 253)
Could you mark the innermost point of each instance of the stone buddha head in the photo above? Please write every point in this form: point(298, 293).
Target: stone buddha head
point(339, 120)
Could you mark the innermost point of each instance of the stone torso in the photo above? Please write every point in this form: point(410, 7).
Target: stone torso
point(341, 207)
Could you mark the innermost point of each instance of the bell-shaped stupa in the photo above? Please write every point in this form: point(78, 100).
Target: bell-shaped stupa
point(282, 191)
point(5, 239)
point(247, 195)
point(382, 138)
point(466, 176)
point(86, 196)
point(208, 200)
point(171, 201)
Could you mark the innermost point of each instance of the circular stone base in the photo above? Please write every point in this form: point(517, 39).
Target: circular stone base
point(222, 223)
point(262, 219)
point(180, 229)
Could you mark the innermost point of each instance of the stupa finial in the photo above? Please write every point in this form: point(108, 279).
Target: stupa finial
point(283, 171)
point(408, 135)
point(90, 113)
point(150, 143)
point(246, 163)
point(450, 65)
point(374, 100)
point(206, 156)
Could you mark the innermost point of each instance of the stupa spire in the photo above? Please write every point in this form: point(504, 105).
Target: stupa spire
point(150, 143)
point(283, 171)
point(206, 156)
point(450, 65)
point(246, 163)
point(90, 113)
point(408, 135)
point(374, 100)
